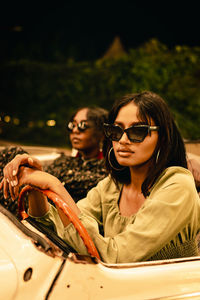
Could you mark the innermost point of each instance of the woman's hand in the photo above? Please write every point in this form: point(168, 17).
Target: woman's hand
point(42, 180)
point(30, 176)
point(11, 170)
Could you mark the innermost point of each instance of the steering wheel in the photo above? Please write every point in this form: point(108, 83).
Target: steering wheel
point(67, 211)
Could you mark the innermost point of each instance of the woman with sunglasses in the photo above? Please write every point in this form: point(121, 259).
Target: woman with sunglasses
point(147, 208)
point(84, 170)
point(78, 174)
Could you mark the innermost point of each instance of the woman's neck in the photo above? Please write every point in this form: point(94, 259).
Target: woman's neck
point(132, 197)
point(138, 175)
point(89, 154)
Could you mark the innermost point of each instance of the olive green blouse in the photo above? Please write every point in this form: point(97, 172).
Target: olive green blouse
point(164, 227)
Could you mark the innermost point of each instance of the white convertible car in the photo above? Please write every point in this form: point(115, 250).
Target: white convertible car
point(36, 264)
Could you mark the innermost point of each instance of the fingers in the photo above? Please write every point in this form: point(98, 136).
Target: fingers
point(35, 163)
point(10, 182)
point(12, 168)
point(1, 184)
point(11, 192)
point(9, 189)
point(15, 192)
point(5, 188)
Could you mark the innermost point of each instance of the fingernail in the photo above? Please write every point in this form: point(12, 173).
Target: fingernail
point(30, 160)
point(7, 180)
point(14, 182)
point(14, 172)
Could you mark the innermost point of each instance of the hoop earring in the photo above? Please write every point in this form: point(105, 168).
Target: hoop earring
point(111, 164)
point(157, 156)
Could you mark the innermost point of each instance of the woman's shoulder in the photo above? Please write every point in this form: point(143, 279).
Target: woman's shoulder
point(177, 172)
point(175, 187)
point(175, 175)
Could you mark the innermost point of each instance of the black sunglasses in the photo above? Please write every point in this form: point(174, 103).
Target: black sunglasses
point(135, 133)
point(82, 126)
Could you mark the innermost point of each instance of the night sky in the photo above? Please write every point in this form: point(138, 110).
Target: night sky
point(85, 31)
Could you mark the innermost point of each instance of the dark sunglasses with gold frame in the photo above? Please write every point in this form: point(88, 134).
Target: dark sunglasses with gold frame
point(136, 133)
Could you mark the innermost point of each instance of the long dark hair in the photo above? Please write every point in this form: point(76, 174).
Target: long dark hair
point(170, 149)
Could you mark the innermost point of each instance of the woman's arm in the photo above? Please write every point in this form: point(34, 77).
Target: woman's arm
point(10, 181)
point(38, 204)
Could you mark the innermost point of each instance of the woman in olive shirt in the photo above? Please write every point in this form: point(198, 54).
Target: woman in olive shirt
point(148, 207)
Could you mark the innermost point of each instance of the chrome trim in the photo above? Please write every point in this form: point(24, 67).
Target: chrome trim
point(193, 295)
point(150, 263)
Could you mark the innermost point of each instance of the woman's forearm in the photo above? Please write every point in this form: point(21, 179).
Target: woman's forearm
point(57, 187)
point(38, 203)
